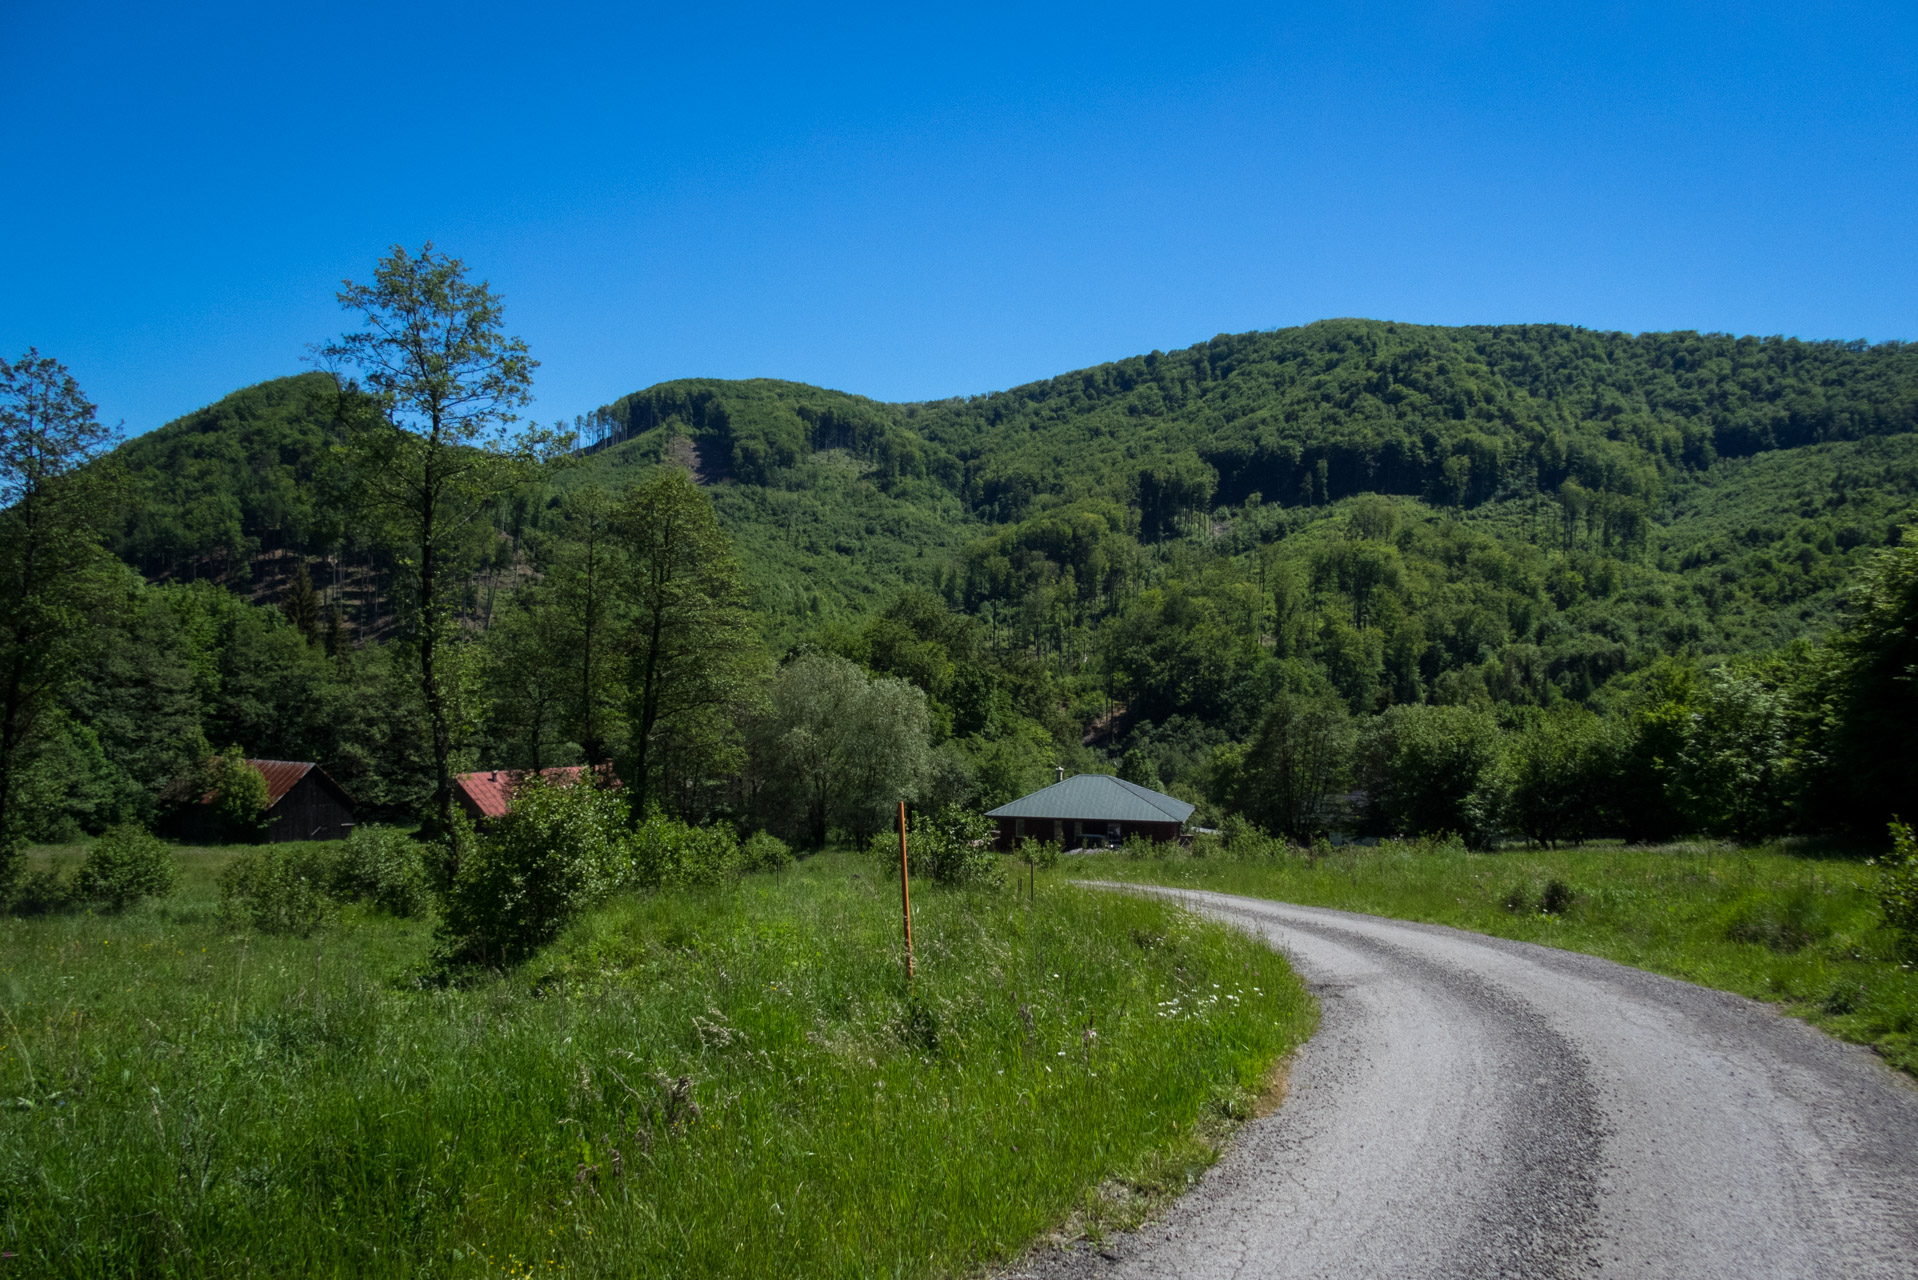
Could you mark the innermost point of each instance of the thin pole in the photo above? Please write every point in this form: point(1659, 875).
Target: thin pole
point(905, 886)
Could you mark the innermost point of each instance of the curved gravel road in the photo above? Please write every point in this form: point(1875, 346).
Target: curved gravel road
point(1475, 1107)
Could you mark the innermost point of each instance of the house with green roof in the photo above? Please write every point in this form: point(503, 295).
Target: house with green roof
point(1090, 810)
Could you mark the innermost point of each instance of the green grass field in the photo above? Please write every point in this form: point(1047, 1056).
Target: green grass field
point(1778, 925)
point(738, 1083)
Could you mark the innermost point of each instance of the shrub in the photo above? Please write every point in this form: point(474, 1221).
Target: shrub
point(1043, 854)
point(126, 864)
point(284, 888)
point(521, 882)
point(239, 797)
point(1557, 898)
point(382, 866)
point(950, 846)
point(665, 853)
point(1898, 885)
point(764, 851)
point(43, 892)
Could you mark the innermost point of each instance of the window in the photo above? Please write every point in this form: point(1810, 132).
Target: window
point(1112, 832)
point(1019, 828)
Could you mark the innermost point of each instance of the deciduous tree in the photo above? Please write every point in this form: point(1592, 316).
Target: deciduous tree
point(690, 654)
point(430, 442)
point(52, 567)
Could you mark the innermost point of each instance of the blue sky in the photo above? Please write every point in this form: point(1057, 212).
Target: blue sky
point(913, 203)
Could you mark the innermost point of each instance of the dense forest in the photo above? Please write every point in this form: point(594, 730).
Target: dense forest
point(1530, 582)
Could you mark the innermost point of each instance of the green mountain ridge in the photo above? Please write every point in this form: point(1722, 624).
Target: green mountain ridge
point(1732, 481)
point(1124, 567)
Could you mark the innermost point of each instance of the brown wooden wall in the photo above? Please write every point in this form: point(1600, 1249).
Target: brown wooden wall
point(310, 811)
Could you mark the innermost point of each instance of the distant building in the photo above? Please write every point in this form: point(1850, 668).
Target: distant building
point(488, 794)
point(1091, 811)
point(302, 803)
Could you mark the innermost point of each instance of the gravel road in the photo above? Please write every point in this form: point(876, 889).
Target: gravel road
point(1475, 1107)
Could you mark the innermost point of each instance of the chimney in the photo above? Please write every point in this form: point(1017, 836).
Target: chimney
point(1060, 770)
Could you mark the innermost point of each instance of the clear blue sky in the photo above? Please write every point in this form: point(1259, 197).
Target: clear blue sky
point(912, 204)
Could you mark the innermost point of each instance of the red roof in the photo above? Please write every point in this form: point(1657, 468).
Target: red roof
point(490, 792)
point(281, 776)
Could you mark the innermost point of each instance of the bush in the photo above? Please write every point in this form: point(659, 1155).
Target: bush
point(1557, 898)
point(43, 893)
point(949, 846)
point(531, 873)
point(764, 851)
point(382, 866)
point(285, 889)
point(1043, 854)
point(125, 865)
point(666, 853)
point(239, 797)
point(1898, 886)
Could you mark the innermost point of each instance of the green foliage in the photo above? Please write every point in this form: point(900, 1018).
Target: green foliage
point(952, 846)
point(1561, 771)
point(1736, 769)
point(382, 866)
point(531, 873)
point(1898, 885)
point(838, 747)
point(1043, 854)
point(53, 572)
point(1872, 696)
point(1295, 762)
point(126, 865)
point(43, 892)
point(949, 846)
point(239, 796)
point(284, 889)
point(691, 658)
point(1429, 770)
point(764, 851)
point(666, 853)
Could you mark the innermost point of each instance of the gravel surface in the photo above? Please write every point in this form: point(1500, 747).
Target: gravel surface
point(1476, 1107)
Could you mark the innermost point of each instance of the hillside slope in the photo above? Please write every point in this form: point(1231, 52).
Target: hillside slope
point(1751, 472)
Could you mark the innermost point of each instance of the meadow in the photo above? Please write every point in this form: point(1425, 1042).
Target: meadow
point(732, 1082)
point(1794, 923)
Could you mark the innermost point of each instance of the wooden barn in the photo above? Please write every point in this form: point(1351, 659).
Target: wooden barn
point(1091, 811)
point(488, 794)
point(302, 803)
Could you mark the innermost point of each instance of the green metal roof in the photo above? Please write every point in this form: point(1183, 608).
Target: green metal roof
point(1096, 797)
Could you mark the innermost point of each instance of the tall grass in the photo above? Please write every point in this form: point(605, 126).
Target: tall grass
point(1775, 922)
point(741, 1083)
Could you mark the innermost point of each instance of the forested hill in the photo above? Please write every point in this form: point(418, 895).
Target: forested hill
point(1298, 417)
point(1124, 565)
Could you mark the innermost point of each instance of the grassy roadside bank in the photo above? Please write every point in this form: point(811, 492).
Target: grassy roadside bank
point(735, 1083)
point(1803, 932)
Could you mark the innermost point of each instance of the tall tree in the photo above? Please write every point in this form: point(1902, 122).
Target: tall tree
point(1870, 698)
point(690, 653)
point(528, 652)
point(51, 560)
point(1292, 767)
point(840, 746)
point(583, 570)
point(429, 437)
